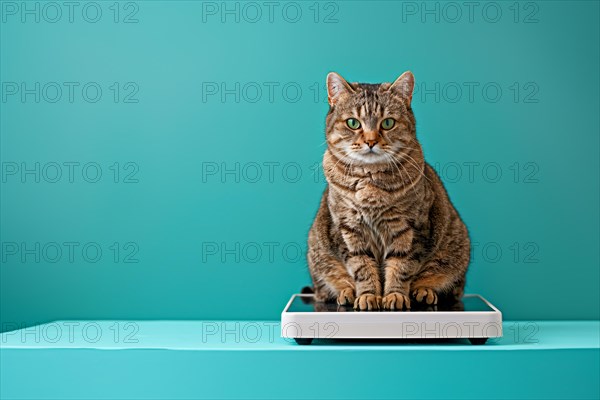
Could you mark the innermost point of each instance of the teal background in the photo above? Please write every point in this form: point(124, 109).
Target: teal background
point(203, 241)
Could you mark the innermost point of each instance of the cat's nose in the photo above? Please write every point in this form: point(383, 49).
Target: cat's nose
point(371, 143)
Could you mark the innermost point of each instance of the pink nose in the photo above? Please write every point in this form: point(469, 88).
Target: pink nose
point(371, 143)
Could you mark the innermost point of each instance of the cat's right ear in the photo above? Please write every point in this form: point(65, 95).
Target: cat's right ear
point(337, 87)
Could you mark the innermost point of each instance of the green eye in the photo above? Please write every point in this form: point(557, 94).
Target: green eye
point(352, 123)
point(388, 123)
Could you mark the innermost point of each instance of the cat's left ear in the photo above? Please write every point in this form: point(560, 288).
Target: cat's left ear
point(336, 88)
point(404, 85)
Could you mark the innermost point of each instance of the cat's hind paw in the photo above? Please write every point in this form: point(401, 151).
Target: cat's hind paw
point(425, 295)
point(346, 297)
point(367, 302)
point(396, 302)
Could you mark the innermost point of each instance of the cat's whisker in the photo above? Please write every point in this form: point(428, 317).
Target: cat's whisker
point(351, 166)
point(414, 164)
point(421, 170)
point(395, 163)
point(412, 183)
point(344, 159)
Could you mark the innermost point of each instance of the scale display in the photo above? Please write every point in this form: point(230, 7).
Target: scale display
point(468, 304)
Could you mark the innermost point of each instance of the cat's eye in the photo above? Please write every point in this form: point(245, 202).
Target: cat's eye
point(388, 123)
point(353, 123)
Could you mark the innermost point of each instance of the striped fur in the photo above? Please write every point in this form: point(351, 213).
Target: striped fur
point(386, 232)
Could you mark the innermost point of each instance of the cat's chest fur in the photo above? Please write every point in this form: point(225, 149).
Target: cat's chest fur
point(378, 215)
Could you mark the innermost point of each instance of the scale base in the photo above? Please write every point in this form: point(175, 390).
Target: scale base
point(473, 318)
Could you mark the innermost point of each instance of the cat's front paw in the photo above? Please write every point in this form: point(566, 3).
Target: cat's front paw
point(425, 295)
point(367, 302)
point(346, 297)
point(396, 302)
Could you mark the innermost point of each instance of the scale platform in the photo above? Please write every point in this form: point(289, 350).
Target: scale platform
point(473, 318)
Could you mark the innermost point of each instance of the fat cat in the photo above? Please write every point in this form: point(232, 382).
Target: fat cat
point(386, 233)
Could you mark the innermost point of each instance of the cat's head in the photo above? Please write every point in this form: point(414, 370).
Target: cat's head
point(370, 123)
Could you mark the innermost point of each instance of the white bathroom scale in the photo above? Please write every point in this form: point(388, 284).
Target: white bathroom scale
point(473, 318)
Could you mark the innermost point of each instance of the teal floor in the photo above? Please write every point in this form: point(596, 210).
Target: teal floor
point(249, 359)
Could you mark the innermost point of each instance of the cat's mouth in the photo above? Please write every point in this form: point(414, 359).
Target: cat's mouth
point(372, 151)
point(369, 156)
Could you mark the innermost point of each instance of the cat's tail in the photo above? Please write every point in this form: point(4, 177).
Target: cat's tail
point(307, 290)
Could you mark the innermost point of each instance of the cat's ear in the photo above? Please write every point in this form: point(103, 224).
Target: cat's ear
point(336, 88)
point(404, 85)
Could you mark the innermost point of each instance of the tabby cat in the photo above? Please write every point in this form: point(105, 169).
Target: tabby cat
point(386, 232)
